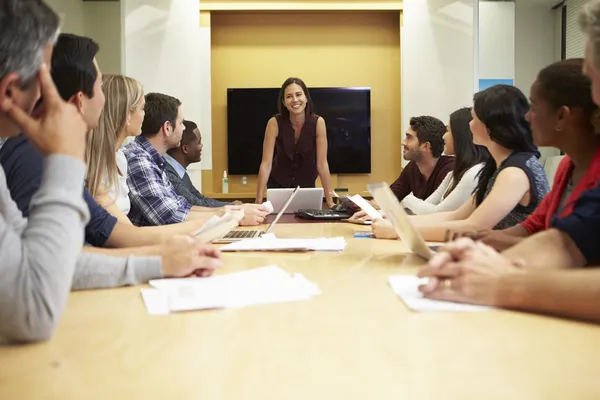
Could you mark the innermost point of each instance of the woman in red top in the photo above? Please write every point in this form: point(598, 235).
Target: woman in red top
point(300, 138)
point(562, 115)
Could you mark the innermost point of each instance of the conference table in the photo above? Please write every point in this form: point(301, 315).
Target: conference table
point(356, 340)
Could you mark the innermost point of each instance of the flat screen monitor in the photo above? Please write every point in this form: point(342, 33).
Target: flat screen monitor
point(347, 114)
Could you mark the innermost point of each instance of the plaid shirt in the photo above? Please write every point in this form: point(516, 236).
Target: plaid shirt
point(153, 199)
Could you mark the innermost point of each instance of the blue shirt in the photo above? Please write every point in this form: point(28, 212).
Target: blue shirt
point(176, 166)
point(153, 198)
point(583, 225)
point(24, 167)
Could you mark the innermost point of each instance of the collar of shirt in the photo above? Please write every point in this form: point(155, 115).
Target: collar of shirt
point(142, 143)
point(175, 164)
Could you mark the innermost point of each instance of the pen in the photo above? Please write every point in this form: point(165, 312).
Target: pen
point(364, 235)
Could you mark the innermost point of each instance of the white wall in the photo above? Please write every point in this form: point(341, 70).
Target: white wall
point(536, 44)
point(71, 12)
point(102, 22)
point(496, 53)
point(438, 66)
point(161, 42)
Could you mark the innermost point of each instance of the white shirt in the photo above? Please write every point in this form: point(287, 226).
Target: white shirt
point(121, 192)
point(437, 203)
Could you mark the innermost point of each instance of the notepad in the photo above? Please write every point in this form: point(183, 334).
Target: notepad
point(271, 243)
point(407, 288)
point(264, 285)
point(365, 206)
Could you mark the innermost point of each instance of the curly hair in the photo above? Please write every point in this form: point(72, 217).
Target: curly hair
point(429, 129)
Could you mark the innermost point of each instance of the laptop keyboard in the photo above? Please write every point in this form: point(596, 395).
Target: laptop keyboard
point(322, 214)
point(241, 234)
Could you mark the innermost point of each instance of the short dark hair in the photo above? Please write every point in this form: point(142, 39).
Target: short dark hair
point(563, 83)
point(26, 26)
point(159, 108)
point(502, 109)
point(190, 127)
point(187, 137)
point(429, 129)
point(73, 68)
point(282, 109)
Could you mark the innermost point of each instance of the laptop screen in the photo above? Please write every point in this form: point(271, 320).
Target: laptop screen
point(285, 206)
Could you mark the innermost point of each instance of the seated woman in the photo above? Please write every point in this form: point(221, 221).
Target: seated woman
point(122, 117)
point(512, 183)
point(458, 186)
point(300, 137)
point(562, 115)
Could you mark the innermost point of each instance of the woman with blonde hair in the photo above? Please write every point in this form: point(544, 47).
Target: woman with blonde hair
point(121, 117)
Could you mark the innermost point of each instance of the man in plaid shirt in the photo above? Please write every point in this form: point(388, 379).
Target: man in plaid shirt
point(153, 198)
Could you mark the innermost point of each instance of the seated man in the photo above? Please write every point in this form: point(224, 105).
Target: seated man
point(38, 253)
point(179, 158)
point(423, 146)
point(78, 78)
point(153, 198)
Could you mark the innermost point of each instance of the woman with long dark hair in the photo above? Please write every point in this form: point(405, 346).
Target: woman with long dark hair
point(300, 138)
point(511, 184)
point(457, 187)
point(562, 115)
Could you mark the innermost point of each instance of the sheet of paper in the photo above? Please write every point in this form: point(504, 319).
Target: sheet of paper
point(407, 288)
point(264, 285)
point(211, 223)
point(271, 243)
point(365, 206)
point(269, 206)
point(157, 302)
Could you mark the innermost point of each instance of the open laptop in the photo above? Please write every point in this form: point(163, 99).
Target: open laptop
point(236, 236)
point(389, 204)
point(306, 199)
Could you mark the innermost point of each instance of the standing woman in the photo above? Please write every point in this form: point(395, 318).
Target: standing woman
point(299, 137)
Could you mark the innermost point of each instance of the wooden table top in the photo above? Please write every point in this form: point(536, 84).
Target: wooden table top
point(357, 340)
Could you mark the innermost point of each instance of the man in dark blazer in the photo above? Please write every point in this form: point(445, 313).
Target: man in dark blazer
point(178, 159)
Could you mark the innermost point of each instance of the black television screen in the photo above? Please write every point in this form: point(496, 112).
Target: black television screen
point(347, 114)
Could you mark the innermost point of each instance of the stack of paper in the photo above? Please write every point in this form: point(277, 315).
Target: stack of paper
point(407, 287)
point(271, 243)
point(239, 289)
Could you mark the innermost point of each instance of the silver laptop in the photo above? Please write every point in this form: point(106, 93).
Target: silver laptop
point(389, 204)
point(306, 199)
point(236, 236)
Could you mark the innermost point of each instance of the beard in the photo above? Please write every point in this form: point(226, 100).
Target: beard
point(412, 155)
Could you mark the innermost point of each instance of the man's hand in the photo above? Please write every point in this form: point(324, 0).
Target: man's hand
point(361, 215)
point(183, 256)
point(254, 214)
point(497, 240)
point(58, 127)
point(465, 271)
point(383, 229)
